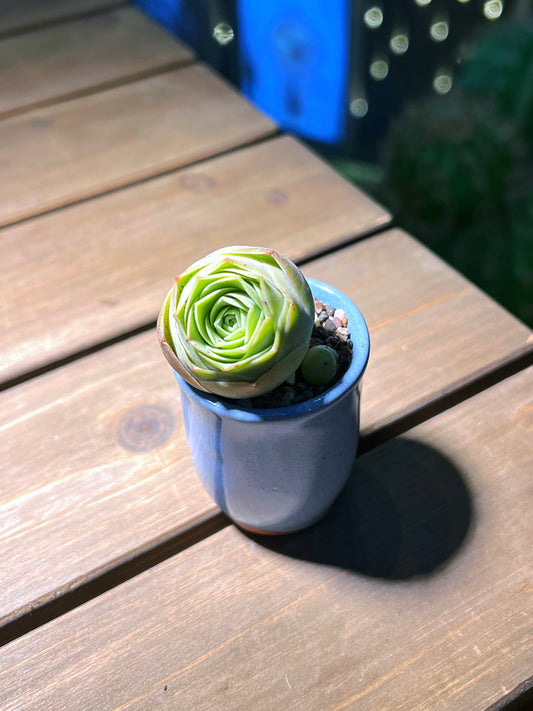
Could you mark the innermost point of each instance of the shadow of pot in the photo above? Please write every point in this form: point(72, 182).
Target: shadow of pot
point(405, 512)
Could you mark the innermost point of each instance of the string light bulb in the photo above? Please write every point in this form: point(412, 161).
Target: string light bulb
point(379, 69)
point(399, 43)
point(373, 18)
point(493, 9)
point(223, 33)
point(439, 31)
point(442, 82)
point(359, 107)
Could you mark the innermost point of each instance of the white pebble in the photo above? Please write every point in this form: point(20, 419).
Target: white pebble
point(343, 333)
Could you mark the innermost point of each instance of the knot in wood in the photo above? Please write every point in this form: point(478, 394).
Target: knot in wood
point(277, 197)
point(40, 122)
point(145, 427)
point(197, 183)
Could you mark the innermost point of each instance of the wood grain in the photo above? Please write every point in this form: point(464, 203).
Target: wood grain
point(60, 61)
point(77, 149)
point(231, 624)
point(23, 15)
point(108, 263)
point(97, 464)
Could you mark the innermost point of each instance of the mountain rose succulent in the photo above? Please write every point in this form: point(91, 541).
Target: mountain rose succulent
point(237, 323)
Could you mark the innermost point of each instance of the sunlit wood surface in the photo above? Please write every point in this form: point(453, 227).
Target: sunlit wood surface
point(21, 16)
point(108, 263)
point(230, 623)
point(61, 61)
point(123, 586)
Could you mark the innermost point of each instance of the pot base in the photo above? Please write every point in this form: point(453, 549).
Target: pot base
point(262, 531)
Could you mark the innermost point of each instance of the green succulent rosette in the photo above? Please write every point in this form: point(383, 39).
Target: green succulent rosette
point(237, 323)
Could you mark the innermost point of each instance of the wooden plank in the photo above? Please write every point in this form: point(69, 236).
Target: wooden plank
point(436, 328)
point(101, 142)
point(27, 14)
point(61, 61)
point(103, 440)
point(74, 150)
point(108, 471)
point(108, 263)
point(229, 623)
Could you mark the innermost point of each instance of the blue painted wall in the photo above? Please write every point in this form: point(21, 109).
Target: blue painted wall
point(290, 58)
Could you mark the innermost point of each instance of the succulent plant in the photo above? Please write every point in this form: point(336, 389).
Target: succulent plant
point(237, 323)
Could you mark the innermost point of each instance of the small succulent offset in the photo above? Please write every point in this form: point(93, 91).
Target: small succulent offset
point(237, 323)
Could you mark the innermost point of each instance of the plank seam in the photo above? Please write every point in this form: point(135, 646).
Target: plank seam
point(456, 394)
point(150, 325)
point(273, 133)
point(98, 88)
point(83, 589)
point(52, 21)
point(519, 699)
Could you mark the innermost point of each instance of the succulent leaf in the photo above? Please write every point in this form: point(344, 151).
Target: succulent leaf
point(237, 323)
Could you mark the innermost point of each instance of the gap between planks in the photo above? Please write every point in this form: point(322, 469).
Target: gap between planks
point(424, 410)
point(519, 699)
point(84, 589)
point(80, 591)
point(332, 247)
point(275, 133)
point(97, 88)
point(457, 393)
point(67, 58)
point(32, 26)
point(445, 602)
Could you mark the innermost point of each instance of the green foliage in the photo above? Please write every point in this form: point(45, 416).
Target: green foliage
point(366, 175)
point(521, 230)
point(501, 72)
point(445, 161)
point(457, 170)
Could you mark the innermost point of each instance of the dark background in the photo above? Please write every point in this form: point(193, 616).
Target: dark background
point(428, 106)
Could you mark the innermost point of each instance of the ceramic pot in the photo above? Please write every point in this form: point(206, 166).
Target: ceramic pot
point(278, 470)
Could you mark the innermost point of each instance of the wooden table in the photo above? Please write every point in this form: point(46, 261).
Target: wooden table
point(122, 159)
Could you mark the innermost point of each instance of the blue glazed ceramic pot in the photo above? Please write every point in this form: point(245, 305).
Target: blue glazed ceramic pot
point(279, 470)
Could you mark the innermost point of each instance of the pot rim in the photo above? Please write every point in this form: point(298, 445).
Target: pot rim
point(226, 407)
